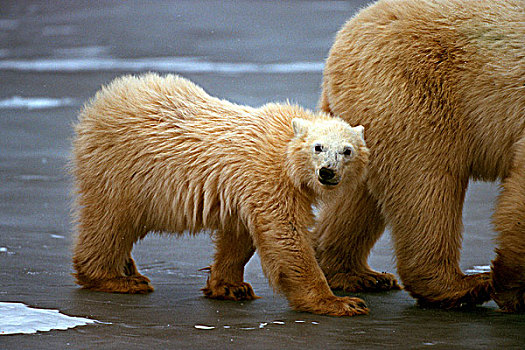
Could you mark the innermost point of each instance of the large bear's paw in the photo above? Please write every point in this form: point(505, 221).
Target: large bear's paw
point(333, 306)
point(366, 281)
point(473, 290)
point(509, 283)
point(512, 300)
point(136, 284)
point(229, 291)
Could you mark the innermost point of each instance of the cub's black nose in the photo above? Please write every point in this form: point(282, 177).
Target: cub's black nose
point(326, 174)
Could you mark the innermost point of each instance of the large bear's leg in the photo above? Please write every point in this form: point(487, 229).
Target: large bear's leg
point(288, 260)
point(426, 217)
point(509, 266)
point(233, 250)
point(346, 232)
point(102, 255)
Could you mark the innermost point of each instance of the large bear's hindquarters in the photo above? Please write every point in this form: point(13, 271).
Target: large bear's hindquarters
point(439, 90)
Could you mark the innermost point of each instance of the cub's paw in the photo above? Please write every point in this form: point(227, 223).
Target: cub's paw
point(368, 281)
point(478, 290)
point(335, 306)
point(229, 291)
point(136, 284)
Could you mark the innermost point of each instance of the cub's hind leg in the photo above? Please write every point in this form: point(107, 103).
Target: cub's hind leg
point(102, 253)
point(234, 248)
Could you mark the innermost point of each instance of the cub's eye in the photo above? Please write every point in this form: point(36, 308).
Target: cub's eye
point(318, 148)
point(347, 151)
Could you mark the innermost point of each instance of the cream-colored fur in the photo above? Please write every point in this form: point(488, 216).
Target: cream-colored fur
point(159, 154)
point(440, 88)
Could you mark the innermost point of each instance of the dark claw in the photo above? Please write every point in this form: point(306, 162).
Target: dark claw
point(361, 304)
point(239, 293)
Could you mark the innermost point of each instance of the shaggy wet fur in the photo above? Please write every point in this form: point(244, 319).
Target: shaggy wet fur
point(158, 154)
point(440, 88)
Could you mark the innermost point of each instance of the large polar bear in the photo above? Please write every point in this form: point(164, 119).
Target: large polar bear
point(440, 88)
point(158, 154)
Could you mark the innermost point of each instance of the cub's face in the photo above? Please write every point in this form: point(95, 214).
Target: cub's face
point(336, 151)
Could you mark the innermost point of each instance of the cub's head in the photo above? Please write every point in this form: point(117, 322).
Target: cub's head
point(326, 152)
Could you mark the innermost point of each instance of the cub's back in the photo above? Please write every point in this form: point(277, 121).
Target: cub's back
point(166, 129)
point(132, 103)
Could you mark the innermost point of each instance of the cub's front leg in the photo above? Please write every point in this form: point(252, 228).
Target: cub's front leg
point(288, 261)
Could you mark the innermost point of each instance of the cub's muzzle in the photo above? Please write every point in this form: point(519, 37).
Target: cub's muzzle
point(327, 177)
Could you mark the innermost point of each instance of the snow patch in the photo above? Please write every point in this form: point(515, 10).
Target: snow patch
point(18, 102)
point(18, 318)
point(201, 326)
point(478, 269)
point(166, 64)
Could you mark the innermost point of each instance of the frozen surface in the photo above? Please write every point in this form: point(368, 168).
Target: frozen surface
point(18, 318)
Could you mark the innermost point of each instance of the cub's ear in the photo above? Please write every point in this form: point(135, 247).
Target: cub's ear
point(360, 131)
point(300, 126)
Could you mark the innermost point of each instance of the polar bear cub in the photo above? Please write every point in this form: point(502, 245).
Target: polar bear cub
point(159, 154)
